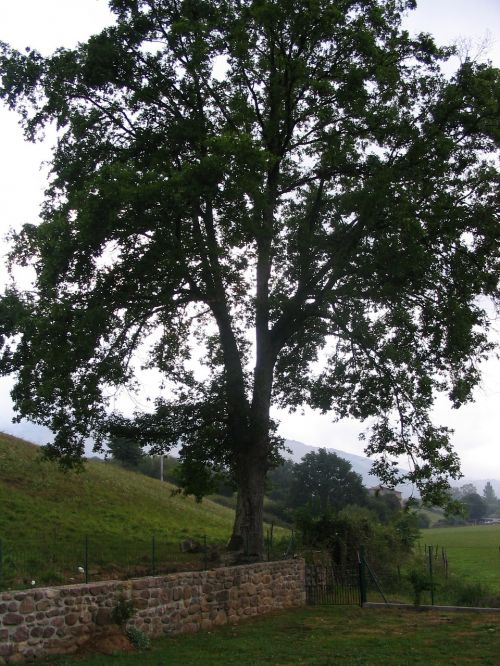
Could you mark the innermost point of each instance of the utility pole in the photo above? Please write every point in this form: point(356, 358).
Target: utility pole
point(161, 467)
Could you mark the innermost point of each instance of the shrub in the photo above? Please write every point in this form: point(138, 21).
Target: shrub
point(342, 534)
point(420, 582)
point(462, 592)
point(123, 611)
point(423, 520)
point(50, 578)
point(138, 638)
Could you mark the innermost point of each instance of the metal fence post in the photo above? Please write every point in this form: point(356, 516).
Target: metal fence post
point(431, 577)
point(362, 575)
point(86, 559)
point(153, 556)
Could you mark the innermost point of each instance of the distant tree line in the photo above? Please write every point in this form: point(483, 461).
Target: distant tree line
point(476, 507)
point(323, 482)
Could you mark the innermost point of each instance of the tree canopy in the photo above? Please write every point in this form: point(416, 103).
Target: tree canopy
point(326, 482)
point(290, 188)
point(126, 451)
point(475, 506)
point(490, 498)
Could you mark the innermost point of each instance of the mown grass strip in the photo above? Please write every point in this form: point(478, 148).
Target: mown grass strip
point(322, 636)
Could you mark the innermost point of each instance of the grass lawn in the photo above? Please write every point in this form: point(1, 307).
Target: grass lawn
point(320, 636)
point(473, 551)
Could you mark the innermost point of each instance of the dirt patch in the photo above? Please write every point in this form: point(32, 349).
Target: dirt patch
point(110, 644)
point(107, 644)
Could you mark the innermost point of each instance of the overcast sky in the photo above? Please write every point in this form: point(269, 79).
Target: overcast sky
point(47, 24)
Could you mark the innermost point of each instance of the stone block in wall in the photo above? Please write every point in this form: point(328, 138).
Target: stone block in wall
point(11, 618)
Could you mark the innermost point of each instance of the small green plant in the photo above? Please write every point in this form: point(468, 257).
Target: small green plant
point(470, 593)
point(50, 578)
point(123, 611)
point(138, 638)
point(420, 582)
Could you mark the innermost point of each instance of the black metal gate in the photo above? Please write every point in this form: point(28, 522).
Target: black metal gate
point(330, 585)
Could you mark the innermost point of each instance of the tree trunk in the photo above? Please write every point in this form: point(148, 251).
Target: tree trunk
point(236, 541)
point(248, 531)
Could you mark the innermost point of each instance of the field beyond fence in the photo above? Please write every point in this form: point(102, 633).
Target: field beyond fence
point(457, 566)
point(473, 552)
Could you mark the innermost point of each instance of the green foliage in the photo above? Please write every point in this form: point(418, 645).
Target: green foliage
point(470, 593)
point(334, 193)
point(278, 512)
point(342, 534)
point(280, 480)
point(449, 588)
point(50, 578)
point(199, 477)
point(151, 465)
point(476, 507)
point(384, 506)
point(406, 525)
point(420, 582)
point(325, 482)
point(138, 638)
point(423, 520)
point(451, 520)
point(466, 489)
point(123, 611)
point(491, 500)
point(126, 451)
point(489, 493)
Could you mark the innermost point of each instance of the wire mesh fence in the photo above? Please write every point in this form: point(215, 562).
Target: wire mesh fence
point(438, 575)
point(435, 575)
point(61, 560)
point(90, 558)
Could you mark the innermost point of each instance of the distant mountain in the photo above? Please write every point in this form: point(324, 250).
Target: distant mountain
point(360, 464)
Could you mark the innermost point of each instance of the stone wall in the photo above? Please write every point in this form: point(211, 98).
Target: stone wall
point(59, 620)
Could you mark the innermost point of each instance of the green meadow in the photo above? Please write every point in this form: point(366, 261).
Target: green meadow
point(473, 552)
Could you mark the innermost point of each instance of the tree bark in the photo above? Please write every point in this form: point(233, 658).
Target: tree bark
point(248, 533)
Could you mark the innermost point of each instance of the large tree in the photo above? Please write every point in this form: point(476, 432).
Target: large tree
point(326, 482)
point(475, 506)
point(273, 183)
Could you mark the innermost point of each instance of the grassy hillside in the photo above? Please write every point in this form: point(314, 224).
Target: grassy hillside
point(473, 551)
point(46, 514)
